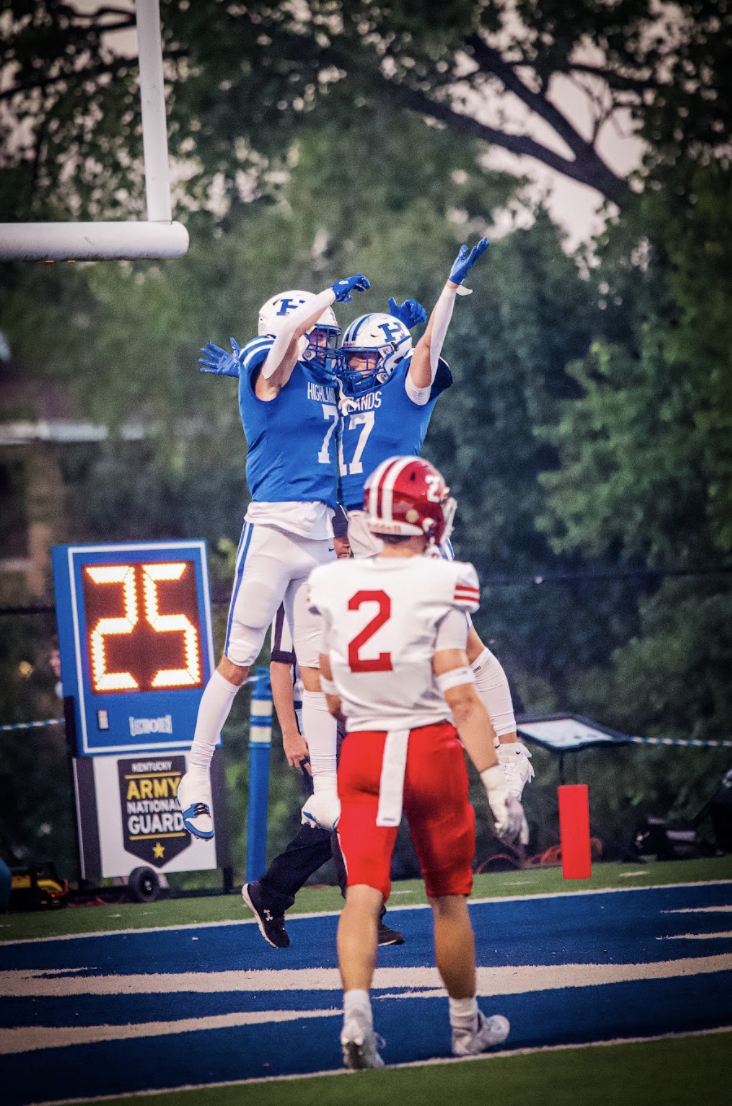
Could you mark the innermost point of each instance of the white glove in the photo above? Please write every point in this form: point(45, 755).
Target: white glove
point(511, 824)
point(322, 809)
point(514, 760)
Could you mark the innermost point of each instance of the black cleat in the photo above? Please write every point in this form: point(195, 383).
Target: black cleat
point(271, 926)
point(387, 936)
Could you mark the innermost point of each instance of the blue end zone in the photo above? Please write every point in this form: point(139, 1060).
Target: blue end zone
point(622, 928)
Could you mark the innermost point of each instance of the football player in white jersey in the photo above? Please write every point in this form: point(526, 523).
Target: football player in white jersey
point(393, 663)
point(389, 391)
point(288, 408)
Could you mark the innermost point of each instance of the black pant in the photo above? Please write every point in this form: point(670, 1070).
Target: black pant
point(309, 849)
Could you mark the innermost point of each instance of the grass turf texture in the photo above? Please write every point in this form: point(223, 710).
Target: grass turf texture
point(678, 1072)
point(221, 908)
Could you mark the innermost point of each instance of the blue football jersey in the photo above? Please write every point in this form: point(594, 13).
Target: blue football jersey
point(383, 423)
point(291, 440)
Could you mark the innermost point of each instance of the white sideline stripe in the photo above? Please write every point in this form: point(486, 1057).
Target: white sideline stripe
point(506, 980)
point(504, 1054)
point(335, 913)
point(29, 1038)
point(700, 910)
point(694, 936)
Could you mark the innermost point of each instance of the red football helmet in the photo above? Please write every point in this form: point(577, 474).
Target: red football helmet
point(408, 496)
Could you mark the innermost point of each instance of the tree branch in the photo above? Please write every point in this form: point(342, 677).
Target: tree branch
point(586, 168)
point(490, 60)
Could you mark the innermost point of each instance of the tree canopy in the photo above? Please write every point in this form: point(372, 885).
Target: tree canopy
point(244, 78)
point(587, 437)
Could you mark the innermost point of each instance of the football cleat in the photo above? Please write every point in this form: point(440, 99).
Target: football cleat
point(271, 925)
point(389, 936)
point(488, 1033)
point(360, 1048)
point(194, 799)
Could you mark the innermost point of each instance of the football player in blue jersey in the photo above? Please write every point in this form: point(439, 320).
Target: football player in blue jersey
point(388, 394)
point(288, 406)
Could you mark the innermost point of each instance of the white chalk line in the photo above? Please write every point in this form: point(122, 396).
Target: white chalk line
point(415, 982)
point(696, 936)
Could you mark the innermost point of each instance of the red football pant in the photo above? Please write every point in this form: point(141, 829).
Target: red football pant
point(441, 819)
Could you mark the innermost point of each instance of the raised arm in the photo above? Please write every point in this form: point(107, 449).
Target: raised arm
point(287, 346)
point(426, 356)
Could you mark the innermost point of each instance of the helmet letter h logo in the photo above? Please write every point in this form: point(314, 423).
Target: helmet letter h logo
point(391, 331)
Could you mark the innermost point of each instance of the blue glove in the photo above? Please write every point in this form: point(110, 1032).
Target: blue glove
point(464, 262)
point(218, 361)
point(343, 288)
point(410, 312)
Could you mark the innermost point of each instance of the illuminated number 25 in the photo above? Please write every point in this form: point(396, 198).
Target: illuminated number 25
point(356, 662)
point(161, 623)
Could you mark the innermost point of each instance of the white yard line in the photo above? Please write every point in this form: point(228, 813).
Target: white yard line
point(415, 983)
point(695, 936)
point(29, 1038)
point(700, 910)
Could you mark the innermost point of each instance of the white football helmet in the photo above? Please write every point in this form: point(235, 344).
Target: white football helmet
point(322, 338)
point(372, 347)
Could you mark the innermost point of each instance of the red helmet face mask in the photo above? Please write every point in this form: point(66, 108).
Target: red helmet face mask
point(409, 497)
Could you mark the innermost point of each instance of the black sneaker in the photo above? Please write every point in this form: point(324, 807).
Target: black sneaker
point(271, 926)
point(389, 936)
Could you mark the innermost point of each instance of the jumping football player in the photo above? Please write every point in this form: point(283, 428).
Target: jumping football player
point(388, 393)
point(394, 664)
point(288, 408)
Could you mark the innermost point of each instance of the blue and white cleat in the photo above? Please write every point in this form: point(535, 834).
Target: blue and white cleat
point(194, 798)
point(488, 1033)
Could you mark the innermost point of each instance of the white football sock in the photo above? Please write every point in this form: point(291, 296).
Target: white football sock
point(213, 711)
point(320, 730)
point(357, 1007)
point(464, 1013)
point(492, 687)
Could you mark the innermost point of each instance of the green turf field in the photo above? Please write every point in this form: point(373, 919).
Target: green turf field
point(682, 1071)
point(218, 908)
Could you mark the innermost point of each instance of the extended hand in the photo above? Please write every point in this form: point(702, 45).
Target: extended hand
point(217, 360)
point(343, 288)
point(295, 749)
point(511, 824)
point(464, 261)
point(410, 312)
point(507, 810)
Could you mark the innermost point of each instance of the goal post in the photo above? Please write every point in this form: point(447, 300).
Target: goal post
point(158, 236)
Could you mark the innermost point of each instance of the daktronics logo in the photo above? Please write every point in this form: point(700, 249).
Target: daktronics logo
point(139, 726)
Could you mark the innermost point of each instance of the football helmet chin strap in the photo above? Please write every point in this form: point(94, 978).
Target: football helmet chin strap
point(315, 306)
